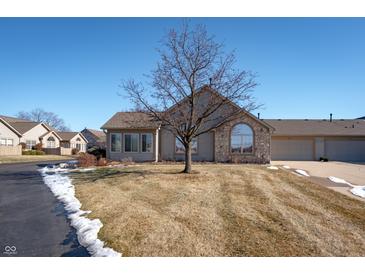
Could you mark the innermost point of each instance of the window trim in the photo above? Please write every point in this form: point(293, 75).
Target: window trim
point(141, 139)
point(192, 153)
point(253, 140)
point(138, 141)
point(121, 142)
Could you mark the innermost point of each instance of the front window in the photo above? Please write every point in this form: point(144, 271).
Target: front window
point(179, 147)
point(116, 142)
point(131, 142)
point(242, 139)
point(51, 142)
point(146, 142)
point(2, 142)
point(30, 144)
point(6, 142)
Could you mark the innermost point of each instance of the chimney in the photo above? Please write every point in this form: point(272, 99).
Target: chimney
point(330, 117)
point(258, 115)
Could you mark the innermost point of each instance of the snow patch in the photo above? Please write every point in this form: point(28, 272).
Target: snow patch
point(87, 230)
point(356, 190)
point(286, 167)
point(339, 181)
point(86, 169)
point(302, 172)
point(272, 167)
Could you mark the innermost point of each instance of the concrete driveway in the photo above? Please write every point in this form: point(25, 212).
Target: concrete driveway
point(352, 173)
point(32, 221)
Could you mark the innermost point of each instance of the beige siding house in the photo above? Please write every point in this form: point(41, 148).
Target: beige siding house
point(73, 140)
point(9, 139)
point(14, 131)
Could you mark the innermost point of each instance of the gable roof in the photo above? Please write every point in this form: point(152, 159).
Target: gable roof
point(131, 120)
point(24, 127)
point(310, 127)
point(68, 135)
point(97, 133)
point(52, 131)
point(13, 119)
point(207, 88)
point(10, 127)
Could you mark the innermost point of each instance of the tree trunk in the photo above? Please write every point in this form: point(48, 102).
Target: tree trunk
point(187, 158)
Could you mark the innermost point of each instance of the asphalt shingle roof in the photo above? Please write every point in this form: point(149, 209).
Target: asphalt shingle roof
point(23, 127)
point(309, 127)
point(131, 120)
point(67, 135)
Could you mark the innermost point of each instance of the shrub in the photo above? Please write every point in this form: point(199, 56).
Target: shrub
point(75, 151)
point(33, 152)
point(102, 162)
point(38, 147)
point(86, 159)
point(98, 152)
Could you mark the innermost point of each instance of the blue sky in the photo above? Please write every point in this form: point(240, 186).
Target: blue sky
point(307, 67)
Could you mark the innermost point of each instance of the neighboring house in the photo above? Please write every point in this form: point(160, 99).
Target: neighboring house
point(95, 138)
point(248, 139)
point(73, 140)
point(9, 139)
point(14, 131)
point(306, 139)
point(135, 135)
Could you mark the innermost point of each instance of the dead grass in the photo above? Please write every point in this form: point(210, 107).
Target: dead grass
point(222, 210)
point(31, 158)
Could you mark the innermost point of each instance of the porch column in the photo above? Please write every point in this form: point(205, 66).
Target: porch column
point(156, 144)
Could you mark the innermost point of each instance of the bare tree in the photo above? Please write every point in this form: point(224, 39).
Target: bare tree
point(40, 115)
point(195, 86)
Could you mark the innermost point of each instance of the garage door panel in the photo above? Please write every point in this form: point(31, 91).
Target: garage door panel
point(296, 150)
point(345, 150)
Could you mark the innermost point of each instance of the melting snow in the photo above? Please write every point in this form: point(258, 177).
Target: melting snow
point(272, 167)
point(356, 190)
point(302, 172)
point(87, 230)
point(286, 167)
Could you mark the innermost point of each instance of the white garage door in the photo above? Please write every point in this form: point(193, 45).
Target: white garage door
point(345, 150)
point(297, 150)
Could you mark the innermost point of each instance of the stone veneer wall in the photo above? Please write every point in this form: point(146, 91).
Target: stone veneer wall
point(261, 150)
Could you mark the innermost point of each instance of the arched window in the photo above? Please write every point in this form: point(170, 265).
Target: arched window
point(51, 142)
point(241, 139)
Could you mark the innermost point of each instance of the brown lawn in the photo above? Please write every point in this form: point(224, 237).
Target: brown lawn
point(221, 210)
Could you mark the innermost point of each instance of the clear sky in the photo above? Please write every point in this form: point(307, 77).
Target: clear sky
point(307, 68)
